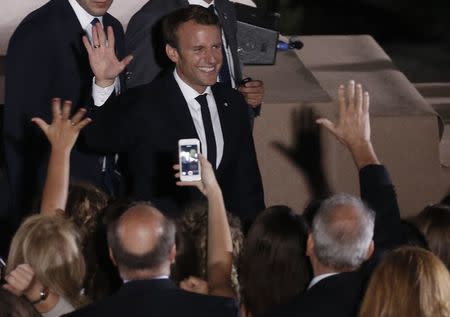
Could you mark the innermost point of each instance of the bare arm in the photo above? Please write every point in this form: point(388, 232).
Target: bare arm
point(220, 247)
point(62, 134)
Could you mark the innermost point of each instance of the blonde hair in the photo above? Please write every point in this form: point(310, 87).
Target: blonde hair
point(409, 282)
point(50, 245)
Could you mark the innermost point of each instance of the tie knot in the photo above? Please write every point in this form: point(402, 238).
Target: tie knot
point(95, 21)
point(202, 100)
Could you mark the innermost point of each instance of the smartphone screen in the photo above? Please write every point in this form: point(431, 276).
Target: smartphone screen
point(189, 160)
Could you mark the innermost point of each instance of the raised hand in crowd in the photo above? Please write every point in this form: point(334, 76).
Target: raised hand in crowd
point(220, 247)
point(253, 92)
point(62, 134)
point(22, 282)
point(306, 151)
point(102, 56)
point(353, 126)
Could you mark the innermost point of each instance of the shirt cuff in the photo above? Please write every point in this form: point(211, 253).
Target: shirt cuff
point(101, 94)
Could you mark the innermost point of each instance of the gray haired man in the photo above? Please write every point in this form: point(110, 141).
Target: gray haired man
point(347, 237)
point(341, 236)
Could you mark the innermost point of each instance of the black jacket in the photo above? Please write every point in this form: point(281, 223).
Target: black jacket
point(147, 125)
point(148, 298)
point(340, 295)
point(46, 58)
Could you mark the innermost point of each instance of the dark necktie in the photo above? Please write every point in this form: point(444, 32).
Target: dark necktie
point(209, 131)
point(94, 21)
point(224, 73)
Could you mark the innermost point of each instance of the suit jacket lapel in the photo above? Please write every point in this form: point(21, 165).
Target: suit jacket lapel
point(227, 19)
point(223, 18)
point(226, 121)
point(72, 28)
point(178, 107)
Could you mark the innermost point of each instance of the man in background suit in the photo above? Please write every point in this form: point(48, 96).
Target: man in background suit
point(142, 245)
point(183, 103)
point(46, 59)
point(144, 39)
point(347, 239)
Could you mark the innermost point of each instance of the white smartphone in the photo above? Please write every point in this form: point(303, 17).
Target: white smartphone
point(188, 151)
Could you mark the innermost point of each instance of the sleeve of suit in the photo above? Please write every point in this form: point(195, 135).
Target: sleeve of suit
point(378, 192)
point(29, 71)
point(247, 190)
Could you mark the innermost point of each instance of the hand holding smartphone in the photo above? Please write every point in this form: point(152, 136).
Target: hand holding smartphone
point(188, 153)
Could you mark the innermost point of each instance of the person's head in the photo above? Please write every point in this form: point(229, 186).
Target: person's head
point(341, 235)
point(85, 205)
point(142, 242)
point(13, 306)
point(194, 44)
point(274, 267)
point(434, 223)
point(409, 281)
point(95, 7)
point(50, 245)
point(192, 258)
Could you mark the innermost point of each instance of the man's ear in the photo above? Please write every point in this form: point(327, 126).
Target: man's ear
point(310, 245)
point(173, 254)
point(172, 53)
point(370, 250)
point(111, 256)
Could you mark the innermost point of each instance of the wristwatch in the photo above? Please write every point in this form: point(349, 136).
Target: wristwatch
point(43, 294)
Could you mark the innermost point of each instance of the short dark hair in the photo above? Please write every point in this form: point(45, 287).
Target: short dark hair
point(172, 21)
point(149, 260)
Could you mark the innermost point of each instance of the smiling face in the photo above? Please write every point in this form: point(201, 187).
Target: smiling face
point(198, 56)
point(95, 7)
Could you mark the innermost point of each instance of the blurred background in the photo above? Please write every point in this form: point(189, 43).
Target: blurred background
point(414, 33)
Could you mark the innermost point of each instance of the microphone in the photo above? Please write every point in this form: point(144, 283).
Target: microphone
point(294, 43)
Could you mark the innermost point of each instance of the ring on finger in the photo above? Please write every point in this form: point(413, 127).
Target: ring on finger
point(96, 45)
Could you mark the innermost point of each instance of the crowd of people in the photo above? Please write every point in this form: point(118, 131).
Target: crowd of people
point(144, 243)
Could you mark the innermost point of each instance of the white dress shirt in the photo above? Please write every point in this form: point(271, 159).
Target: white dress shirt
point(99, 94)
point(227, 48)
point(162, 277)
point(195, 109)
point(318, 278)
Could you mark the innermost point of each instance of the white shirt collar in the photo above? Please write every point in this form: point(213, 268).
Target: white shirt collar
point(188, 92)
point(200, 3)
point(318, 278)
point(162, 277)
point(83, 16)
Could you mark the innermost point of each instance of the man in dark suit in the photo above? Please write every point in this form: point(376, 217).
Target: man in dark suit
point(184, 103)
point(46, 59)
point(142, 245)
point(347, 239)
point(144, 40)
